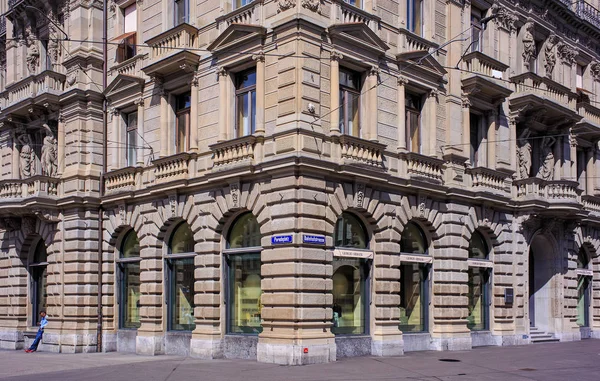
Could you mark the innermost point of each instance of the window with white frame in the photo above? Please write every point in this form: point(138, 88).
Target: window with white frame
point(245, 102)
point(182, 12)
point(240, 3)
point(413, 107)
point(414, 16)
point(127, 41)
point(183, 104)
point(476, 137)
point(476, 30)
point(355, 3)
point(350, 86)
point(579, 76)
point(131, 121)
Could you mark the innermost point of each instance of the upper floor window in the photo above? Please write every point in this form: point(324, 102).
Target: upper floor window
point(414, 104)
point(355, 3)
point(414, 16)
point(182, 12)
point(349, 232)
point(579, 76)
point(245, 99)
point(476, 137)
point(349, 102)
point(476, 30)
point(131, 138)
point(127, 41)
point(182, 126)
point(241, 3)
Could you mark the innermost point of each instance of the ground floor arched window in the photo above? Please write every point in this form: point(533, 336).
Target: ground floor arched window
point(128, 266)
point(479, 276)
point(39, 281)
point(179, 268)
point(584, 289)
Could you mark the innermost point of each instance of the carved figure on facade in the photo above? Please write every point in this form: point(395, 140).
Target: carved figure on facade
point(550, 54)
point(26, 154)
point(504, 18)
point(566, 53)
point(524, 154)
point(284, 5)
point(529, 50)
point(546, 159)
point(312, 5)
point(33, 55)
point(53, 45)
point(49, 156)
point(595, 70)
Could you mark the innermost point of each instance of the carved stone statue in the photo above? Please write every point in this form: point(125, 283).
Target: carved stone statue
point(524, 154)
point(49, 154)
point(284, 5)
point(550, 54)
point(26, 154)
point(529, 50)
point(546, 159)
point(595, 70)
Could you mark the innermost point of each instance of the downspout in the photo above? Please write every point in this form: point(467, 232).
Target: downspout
point(101, 187)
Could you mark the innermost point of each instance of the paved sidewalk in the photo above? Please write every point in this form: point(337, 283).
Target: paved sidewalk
point(577, 361)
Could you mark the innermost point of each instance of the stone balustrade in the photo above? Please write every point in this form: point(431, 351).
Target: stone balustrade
point(130, 67)
point(35, 186)
point(359, 151)
point(249, 14)
point(531, 83)
point(410, 42)
point(344, 13)
point(591, 204)
point(589, 112)
point(587, 12)
point(172, 168)
point(423, 167)
point(47, 81)
point(121, 180)
point(173, 41)
point(238, 151)
point(483, 64)
point(551, 191)
point(488, 179)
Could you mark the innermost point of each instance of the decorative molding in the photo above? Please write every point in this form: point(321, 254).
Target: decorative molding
point(402, 81)
point(595, 70)
point(259, 57)
point(173, 205)
point(529, 50)
point(567, 53)
point(234, 191)
point(504, 18)
point(284, 5)
point(359, 195)
point(312, 5)
point(550, 54)
point(336, 56)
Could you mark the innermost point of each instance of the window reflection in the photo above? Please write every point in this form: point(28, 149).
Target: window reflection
point(413, 240)
point(244, 233)
point(129, 272)
point(412, 297)
point(349, 232)
point(244, 293)
point(478, 281)
point(348, 296)
point(182, 240)
point(181, 298)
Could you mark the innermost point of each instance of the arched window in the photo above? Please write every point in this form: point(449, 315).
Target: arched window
point(349, 232)
point(584, 290)
point(180, 279)
point(39, 281)
point(414, 280)
point(243, 276)
point(350, 278)
point(128, 265)
point(478, 284)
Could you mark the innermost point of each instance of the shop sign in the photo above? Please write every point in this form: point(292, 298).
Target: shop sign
point(280, 239)
point(314, 239)
point(415, 258)
point(349, 253)
point(476, 263)
point(584, 272)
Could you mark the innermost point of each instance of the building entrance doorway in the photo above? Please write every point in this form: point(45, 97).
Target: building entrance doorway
point(542, 285)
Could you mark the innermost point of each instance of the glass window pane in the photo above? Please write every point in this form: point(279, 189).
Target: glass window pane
point(183, 101)
point(130, 295)
point(244, 294)
point(253, 112)
point(131, 147)
point(182, 128)
point(41, 292)
point(412, 303)
point(40, 255)
point(181, 12)
point(130, 248)
point(353, 109)
point(182, 240)
point(245, 232)
point(246, 79)
point(343, 111)
point(348, 296)
point(478, 247)
point(582, 260)
point(413, 240)
point(181, 301)
point(349, 232)
point(583, 301)
point(476, 321)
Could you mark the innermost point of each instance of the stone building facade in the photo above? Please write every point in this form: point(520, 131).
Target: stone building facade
point(298, 181)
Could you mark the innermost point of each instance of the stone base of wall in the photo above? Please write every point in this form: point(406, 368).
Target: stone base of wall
point(206, 348)
point(484, 339)
point(386, 348)
point(460, 343)
point(178, 343)
point(63, 343)
point(126, 340)
point(507, 340)
point(109, 342)
point(417, 342)
point(291, 354)
point(568, 336)
point(240, 347)
point(10, 339)
point(353, 346)
point(149, 345)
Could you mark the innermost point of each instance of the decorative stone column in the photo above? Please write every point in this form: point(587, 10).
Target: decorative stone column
point(512, 129)
point(466, 127)
point(334, 82)
point(492, 141)
point(260, 92)
point(164, 118)
point(116, 136)
point(371, 90)
point(402, 81)
point(573, 146)
point(194, 113)
point(140, 128)
point(589, 170)
point(432, 98)
point(558, 154)
point(60, 138)
point(223, 101)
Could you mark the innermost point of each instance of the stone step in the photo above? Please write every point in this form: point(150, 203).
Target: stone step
point(544, 340)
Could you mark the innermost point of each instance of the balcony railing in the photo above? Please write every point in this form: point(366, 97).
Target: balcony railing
point(591, 204)
point(531, 83)
point(424, 167)
point(2, 25)
point(589, 112)
point(36, 186)
point(172, 168)
point(551, 191)
point(122, 180)
point(587, 12)
point(485, 179)
point(344, 13)
point(234, 152)
point(249, 14)
point(173, 41)
point(410, 42)
point(46, 82)
point(482, 64)
point(130, 67)
point(359, 151)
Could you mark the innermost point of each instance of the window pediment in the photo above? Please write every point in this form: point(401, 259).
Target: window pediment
point(428, 64)
point(236, 35)
point(358, 34)
point(123, 83)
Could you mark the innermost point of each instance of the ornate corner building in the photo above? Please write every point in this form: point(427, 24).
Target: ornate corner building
point(296, 181)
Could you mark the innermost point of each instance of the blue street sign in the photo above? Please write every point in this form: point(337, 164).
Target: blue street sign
point(279, 239)
point(314, 239)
